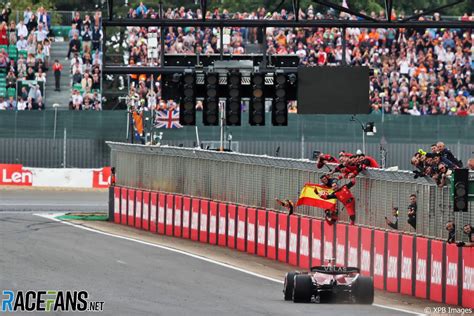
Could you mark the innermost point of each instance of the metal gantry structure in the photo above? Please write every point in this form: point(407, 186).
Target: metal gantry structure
point(364, 22)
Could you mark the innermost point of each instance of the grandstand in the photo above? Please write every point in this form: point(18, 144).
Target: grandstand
point(28, 48)
point(416, 72)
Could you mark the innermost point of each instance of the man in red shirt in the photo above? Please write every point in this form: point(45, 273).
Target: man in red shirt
point(344, 195)
point(57, 68)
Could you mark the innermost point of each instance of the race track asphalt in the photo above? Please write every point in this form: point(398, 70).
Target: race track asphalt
point(137, 279)
point(51, 199)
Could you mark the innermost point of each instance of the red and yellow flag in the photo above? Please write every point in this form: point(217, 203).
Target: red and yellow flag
point(309, 197)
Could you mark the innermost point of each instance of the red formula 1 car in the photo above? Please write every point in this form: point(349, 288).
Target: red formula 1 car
point(329, 284)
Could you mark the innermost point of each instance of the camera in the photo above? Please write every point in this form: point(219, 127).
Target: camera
point(316, 154)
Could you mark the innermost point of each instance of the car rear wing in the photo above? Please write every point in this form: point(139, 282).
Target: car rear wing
point(335, 270)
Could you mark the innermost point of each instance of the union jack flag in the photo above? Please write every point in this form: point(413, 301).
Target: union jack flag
point(167, 119)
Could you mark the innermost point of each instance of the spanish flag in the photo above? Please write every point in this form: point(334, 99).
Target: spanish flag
point(309, 197)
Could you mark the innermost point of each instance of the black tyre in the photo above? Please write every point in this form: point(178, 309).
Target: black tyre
point(363, 290)
point(288, 285)
point(302, 289)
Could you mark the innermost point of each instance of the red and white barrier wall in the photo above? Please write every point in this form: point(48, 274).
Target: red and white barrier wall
point(406, 264)
point(18, 175)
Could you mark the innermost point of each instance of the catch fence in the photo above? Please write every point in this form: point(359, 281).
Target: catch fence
point(257, 180)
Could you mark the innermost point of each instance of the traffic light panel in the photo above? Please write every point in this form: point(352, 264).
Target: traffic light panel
point(211, 101)
point(257, 101)
point(233, 113)
point(461, 187)
point(187, 106)
point(280, 103)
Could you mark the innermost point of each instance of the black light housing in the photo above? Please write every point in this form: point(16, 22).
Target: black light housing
point(233, 113)
point(257, 101)
point(280, 103)
point(187, 106)
point(461, 185)
point(210, 115)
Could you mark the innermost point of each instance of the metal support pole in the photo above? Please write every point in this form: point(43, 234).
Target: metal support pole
point(111, 9)
point(128, 125)
point(55, 120)
point(64, 148)
point(222, 43)
point(344, 45)
point(162, 38)
point(198, 142)
point(363, 142)
point(265, 49)
point(221, 108)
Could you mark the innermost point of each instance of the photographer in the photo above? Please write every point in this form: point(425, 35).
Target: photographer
point(412, 208)
point(467, 229)
point(289, 205)
point(451, 228)
point(394, 222)
point(447, 154)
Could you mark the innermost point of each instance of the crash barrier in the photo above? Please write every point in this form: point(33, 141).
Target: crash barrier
point(18, 175)
point(399, 263)
point(258, 180)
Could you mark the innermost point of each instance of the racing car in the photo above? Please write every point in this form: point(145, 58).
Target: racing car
point(329, 284)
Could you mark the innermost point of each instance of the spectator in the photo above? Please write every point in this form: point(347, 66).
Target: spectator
point(11, 103)
point(412, 208)
point(39, 105)
point(77, 21)
point(470, 164)
point(11, 80)
point(467, 229)
point(3, 103)
point(40, 75)
point(96, 38)
point(57, 68)
point(394, 222)
point(41, 34)
point(46, 52)
point(32, 23)
point(76, 103)
point(74, 30)
point(12, 33)
point(22, 104)
point(451, 228)
point(5, 16)
point(44, 18)
point(27, 15)
point(74, 45)
point(86, 37)
point(3, 34)
point(24, 93)
point(22, 44)
point(86, 83)
point(35, 93)
point(141, 10)
point(447, 154)
point(77, 76)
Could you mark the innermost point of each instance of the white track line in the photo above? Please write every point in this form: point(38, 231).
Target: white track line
point(222, 264)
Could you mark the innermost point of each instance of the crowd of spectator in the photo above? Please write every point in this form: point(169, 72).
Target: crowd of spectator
point(438, 164)
point(85, 57)
point(416, 72)
point(24, 59)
